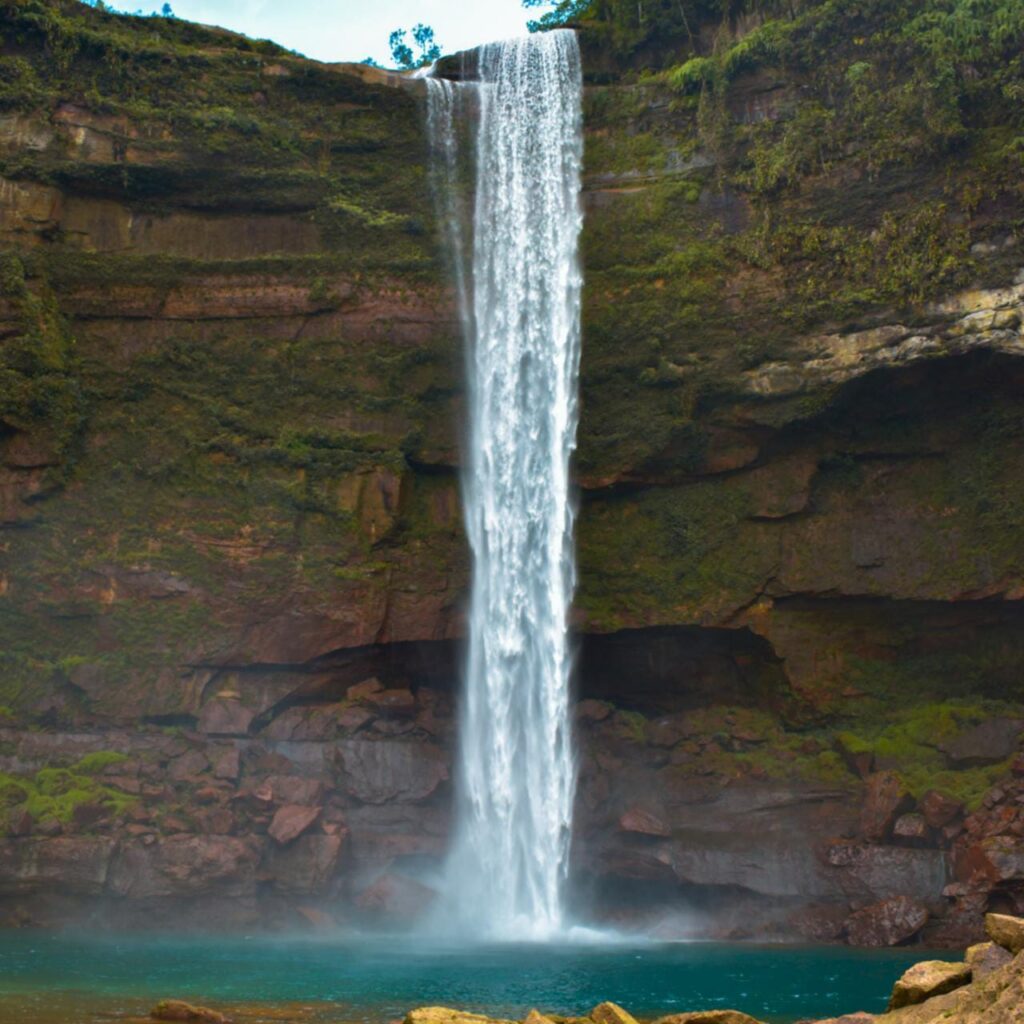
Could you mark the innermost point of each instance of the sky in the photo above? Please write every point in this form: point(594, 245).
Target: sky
point(351, 30)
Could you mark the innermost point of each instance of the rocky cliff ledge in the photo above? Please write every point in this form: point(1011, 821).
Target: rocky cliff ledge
point(232, 556)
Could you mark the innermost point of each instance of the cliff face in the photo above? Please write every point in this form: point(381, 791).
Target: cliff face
point(233, 564)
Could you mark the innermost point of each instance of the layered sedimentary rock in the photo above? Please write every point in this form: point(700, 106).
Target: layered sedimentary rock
point(232, 546)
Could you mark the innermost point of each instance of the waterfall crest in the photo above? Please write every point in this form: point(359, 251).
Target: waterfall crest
point(518, 282)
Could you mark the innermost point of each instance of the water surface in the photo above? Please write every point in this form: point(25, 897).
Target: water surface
point(84, 979)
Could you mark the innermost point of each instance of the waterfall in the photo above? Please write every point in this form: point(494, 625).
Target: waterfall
point(518, 282)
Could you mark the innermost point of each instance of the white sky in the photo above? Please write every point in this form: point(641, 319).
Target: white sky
point(333, 30)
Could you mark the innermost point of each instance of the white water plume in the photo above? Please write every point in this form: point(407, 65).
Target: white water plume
point(518, 284)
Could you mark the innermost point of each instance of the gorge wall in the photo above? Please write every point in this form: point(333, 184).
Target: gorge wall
point(233, 567)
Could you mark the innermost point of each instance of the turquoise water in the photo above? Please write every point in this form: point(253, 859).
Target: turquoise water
point(378, 981)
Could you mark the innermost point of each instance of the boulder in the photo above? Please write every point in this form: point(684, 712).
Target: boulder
point(886, 923)
point(926, 979)
point(175, 1009)
point(820, 923)
point(642, 822)
point(885, 799)
point(1006, 931)
point(988, 743)
point(984, 958)
point(445, 1015)
point(536, 1017)
point(611, 1013)
point(386, 771)
point(291, 821)
point(911, 828)
point(306, 866)
point(709, 1017)
point(938, 809)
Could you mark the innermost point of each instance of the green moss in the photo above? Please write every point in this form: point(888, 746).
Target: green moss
point(909, 743)
point(98, 761)
point(57, 792)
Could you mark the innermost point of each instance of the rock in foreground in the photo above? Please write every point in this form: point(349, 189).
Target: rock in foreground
point(176, 1010)
point(927, 979)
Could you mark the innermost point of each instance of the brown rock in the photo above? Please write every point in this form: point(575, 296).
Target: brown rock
point(611, 1013)
point(445, 1015)
point(820, 923)
point(886, 923)
point(393, 702)
point(188, 765)
point(885, 799)
point(536, 1017)
point(364, 690)
point(926, 979)
point(642, 822)
point(227, 765)
point(984, 958)
point(19, 823)
point(291, 821)
point(1006, 931)
point(296, 789)
point(305, 867)
point(938, 809)
point(593, 710)
point(709, 1017)
point(386, 771)
point(988, 743)
point(84, 816)
point(225, 716)
point(395, 897)
point(175, 1009)
point(911, 828)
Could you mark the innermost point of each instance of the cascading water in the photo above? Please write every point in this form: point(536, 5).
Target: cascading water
point(520, 303)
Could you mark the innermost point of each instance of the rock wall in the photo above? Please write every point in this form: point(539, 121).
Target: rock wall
point(232, 558)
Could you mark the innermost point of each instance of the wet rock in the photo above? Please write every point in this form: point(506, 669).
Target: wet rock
point(886, 923)
point(291, 821)
point(185, 865)
point(611, 1013)
point(984, 958)
point(988, 743)
point(820, 923)
point(395, 897)
point(1006, 931)
point(938, 809)
point(306, 866)
point(885, 799)
point(385, 771)
point(926, 979)
point(643, 822)
point(176, 1010)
